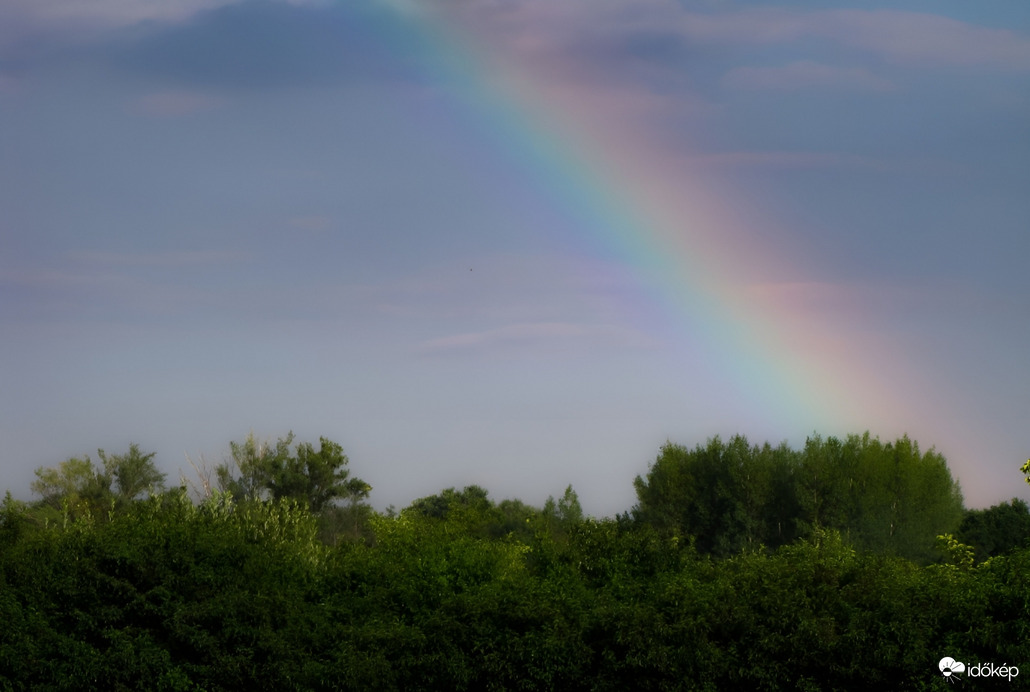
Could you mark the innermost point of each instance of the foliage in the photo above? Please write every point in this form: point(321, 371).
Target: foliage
point(318, 478)
point(132, 473)
point(257, 591)
point(954, 552)
point(997, 530)
point(732, 497)
point(76, 486)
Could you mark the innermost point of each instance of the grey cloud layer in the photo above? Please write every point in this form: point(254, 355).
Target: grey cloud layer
point(276, 42)
point(217, 43)
point(273, 44)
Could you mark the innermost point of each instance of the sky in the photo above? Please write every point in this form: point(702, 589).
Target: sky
point(515, 243)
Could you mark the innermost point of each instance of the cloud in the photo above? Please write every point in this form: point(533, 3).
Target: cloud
point(901, 37)
point(784, 159)
point(923, 39)
point(111, 269)
point(184, 258)
point(274, 44)
point(120, 286)
point(805, 74)
point(648, 67)
point(311, 223)
point(8, 85)
point(815, 160)
point(880, 299)
point(191, 44)
point(656, 44)
point(176, 103)
point(538, 335)
point(25, 24)
point(111, 13)
point(49, 279)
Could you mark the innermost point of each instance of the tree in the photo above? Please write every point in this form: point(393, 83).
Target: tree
point(997, 530)
point(133, 473)
point(248, 473)
point(729, 496)
point(825, 481)
point(907, 499)
point(734, 496)
point(258, 471)
point(76, 483)
point(82, 486)
point(450, 501)
point(318, 478)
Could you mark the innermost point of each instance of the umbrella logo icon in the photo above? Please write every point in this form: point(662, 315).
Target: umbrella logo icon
point(950, 667)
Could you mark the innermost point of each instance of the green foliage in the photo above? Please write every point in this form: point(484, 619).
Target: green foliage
point(734, 497)
point(450, 501)
point(252, 466)
point(954, 552)
point(317, 478)
point(458, 592)
point(997, 530)
point(558, 518)
point(75, 483)
point(347, 523)
point(133, 473)
point(728, 496)
point(77, 487)
point(163, 595)
point(569, 511)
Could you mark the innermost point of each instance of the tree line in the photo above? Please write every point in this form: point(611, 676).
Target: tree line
point(741, 566)
point(733, 496)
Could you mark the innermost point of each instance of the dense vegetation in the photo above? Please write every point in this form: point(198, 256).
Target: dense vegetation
point(741, 567)
point(885, 498)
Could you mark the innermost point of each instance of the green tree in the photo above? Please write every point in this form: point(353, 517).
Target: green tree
point(825, 480)
point(450, 501)
point(566, 510)
point(75, 483)
point(313, 477)
point(517, 518)
point(560, 516)
point(133, 473)
point(693, 492)
point(907, 499)
point(80, 485)
point(318, 478)
point(734, 496)
point(729, 496)
point(252, 464)
point(997, 530)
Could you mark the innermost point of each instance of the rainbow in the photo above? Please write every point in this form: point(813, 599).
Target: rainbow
point(722, 287)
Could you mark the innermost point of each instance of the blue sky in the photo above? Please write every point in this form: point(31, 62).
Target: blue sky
point(349, 220)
